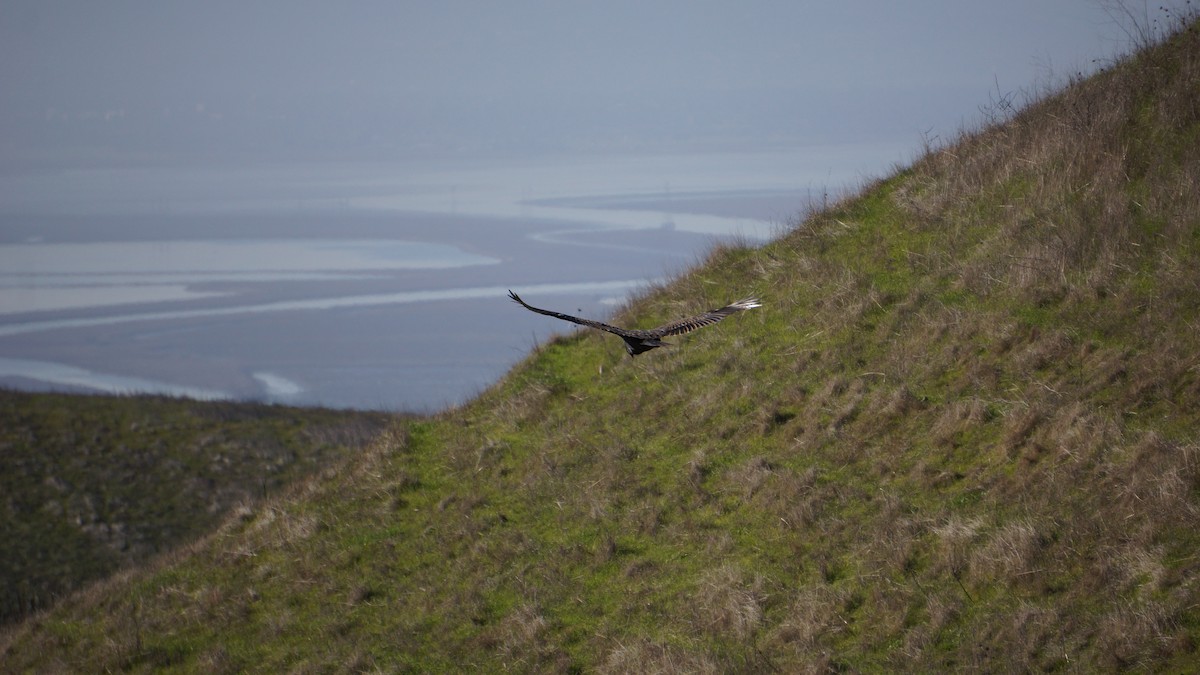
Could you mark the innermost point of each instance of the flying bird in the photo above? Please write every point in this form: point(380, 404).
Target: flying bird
point(638, 341)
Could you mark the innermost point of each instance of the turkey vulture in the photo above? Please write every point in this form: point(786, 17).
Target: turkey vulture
point(638, 341)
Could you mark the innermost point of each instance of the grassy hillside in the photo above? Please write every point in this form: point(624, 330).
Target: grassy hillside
point(94, 483)
point(961, 433)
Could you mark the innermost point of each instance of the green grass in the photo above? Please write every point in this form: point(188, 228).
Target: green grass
point(961, 434)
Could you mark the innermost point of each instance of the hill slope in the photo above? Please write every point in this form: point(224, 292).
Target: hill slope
point(94, 483)
point(962, 432)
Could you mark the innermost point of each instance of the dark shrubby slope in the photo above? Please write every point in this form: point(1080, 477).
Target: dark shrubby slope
point(94, 483)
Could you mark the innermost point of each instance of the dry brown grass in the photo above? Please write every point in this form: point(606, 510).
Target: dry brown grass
point(728, 605)
point(644, 656)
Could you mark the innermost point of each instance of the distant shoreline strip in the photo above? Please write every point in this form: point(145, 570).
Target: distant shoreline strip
point(406, 297)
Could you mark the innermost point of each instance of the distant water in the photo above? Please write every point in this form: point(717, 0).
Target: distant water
point(41, 276)
point(310, 304)
point(365, 286)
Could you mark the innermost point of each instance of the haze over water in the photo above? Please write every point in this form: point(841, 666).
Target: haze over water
point(372, 286)
point(325, 204)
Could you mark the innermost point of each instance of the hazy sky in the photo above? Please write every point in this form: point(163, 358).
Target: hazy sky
point(275, 80)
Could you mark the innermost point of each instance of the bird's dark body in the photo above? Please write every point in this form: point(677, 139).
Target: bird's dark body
point(638, 341)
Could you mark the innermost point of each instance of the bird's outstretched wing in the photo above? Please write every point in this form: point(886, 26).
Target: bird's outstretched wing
point(567, 317)
point(638, 341)
point(701, 320)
